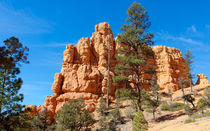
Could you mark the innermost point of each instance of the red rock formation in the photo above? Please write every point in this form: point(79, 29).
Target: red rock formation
point(202, 80)
point(170, 66)
point(32, 109)
point(84, 70)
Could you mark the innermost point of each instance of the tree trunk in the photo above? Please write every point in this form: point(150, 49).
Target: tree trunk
point(153, 112)
point(191, 86)
point(193, 105)
point(139, 100)
point(2, 89)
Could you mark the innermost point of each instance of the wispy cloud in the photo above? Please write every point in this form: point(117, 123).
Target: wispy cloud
point(188, 40)
point(50, 45)
point(21, 21)
point(168, 37)
point(54, 44)
point(192, 29)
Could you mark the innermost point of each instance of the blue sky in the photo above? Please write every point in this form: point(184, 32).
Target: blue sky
point(45, 26)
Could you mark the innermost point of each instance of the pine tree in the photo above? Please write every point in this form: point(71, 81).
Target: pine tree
point(130, 113)
point(201, 105)
point(74, 116)
point(153, 99)
point(135, 51)
point(103, 114)
point(188, 57)
point(206, 96)
point(116, 117)
point(12, 55)
point(182, 83)
point(17, 122)
point(139, 122)
point(41, 121)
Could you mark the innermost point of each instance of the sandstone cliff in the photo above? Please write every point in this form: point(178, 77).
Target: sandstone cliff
point(84, 70)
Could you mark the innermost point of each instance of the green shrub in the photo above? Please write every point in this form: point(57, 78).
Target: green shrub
point(201, 105)
point(74, 116)
point(189, 121)
point(149, 110)
point(188, 110)
point(165, 106)
point(172, 107)
point(207, 114)
point(139, 122)
point(196, 116)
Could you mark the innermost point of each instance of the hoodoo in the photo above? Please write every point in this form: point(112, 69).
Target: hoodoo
point(84, 70)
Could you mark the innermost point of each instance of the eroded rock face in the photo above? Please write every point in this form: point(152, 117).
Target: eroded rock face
point(202, 80)
point(84, 71)
point(32, 109)
point(58, 82)
point(170, 66)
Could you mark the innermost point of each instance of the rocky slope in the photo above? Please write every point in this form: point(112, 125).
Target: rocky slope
point(84, 70)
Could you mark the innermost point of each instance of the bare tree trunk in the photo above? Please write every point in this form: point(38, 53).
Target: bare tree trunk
point(153, 112)
point(191, 86)
point(108, 80)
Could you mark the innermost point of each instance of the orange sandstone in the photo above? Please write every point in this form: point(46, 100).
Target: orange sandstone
point(84, 70)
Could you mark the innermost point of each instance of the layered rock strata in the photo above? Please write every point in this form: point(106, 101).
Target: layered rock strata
point(84, 72)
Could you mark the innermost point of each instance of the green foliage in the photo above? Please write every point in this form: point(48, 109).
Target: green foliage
point(189, 121)
point(115, 117)
point(195, 116)
point(201, 105)
point(139, 122)
point(102, 110)
point(103, 114)
point(188, 110)
point(172, 107)
point(206, 96)
point(12, 55)
point(17, 122)
point(130, 94)
point(182, 83)
point(108, 121)
point(153, 99)
point(135, 51)
point(116, 114)
point(126, 94)
point(73, 116)
point(188, 57)
point(41, 121)
point(120, 79)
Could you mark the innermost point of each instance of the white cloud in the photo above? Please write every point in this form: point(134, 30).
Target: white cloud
point(192, 29)
point(51, 45)
point(167, 37)
point(20, 21)
point(188, 40)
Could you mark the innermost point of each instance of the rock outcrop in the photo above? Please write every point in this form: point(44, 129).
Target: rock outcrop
point(84, 71)
point(202, 80)
point(32, 109)
point(170, 66)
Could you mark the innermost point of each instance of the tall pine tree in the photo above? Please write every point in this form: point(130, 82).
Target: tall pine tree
point(135, 50)
point(153, 98)
point(188, 63)
point(12, 55)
